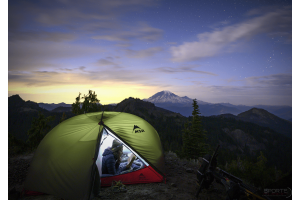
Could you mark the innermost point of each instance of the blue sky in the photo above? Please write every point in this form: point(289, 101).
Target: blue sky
point(238, 52)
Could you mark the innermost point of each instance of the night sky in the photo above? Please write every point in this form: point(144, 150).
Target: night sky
point(237, 52)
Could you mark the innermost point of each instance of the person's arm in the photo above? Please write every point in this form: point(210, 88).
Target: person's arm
point(118, 163)
point(111, 165)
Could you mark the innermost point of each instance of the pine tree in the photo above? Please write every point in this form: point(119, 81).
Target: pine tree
point(39, 129)
point(194, 136)
point(89, 104)
point(63, 117)
point(76, 106)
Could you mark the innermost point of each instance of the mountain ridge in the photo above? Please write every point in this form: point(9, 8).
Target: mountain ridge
point(21, 114)
point(265, 118)
point(169, 125)
point(183, 105)
point(51, 106)
point(149, 110)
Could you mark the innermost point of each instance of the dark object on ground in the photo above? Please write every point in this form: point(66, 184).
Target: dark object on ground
point(13, 194)
point(235, 188)
point(118, 186)
point(189, 170)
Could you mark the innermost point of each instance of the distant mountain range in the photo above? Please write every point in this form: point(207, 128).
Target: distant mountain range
point(183, 105)
point(245, 134)
point(62, 109)
point(51, 106)
point(163, 103)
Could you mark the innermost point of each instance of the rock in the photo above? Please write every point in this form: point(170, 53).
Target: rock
point(189, 170)
point(173, 185)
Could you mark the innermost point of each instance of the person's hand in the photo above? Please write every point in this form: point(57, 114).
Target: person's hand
point(129, 164)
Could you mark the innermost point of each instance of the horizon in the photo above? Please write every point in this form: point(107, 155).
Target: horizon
point(147, 98)
point(234, 52)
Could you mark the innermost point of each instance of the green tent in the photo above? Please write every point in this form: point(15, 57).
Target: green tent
point(64, 164)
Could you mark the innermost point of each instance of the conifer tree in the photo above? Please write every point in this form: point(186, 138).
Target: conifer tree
point(194, 136)
point(89, 103)
point(38, 130)
point(76, 106)
point(63, 117)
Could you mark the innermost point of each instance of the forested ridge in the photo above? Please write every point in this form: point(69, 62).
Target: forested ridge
point(228, 132)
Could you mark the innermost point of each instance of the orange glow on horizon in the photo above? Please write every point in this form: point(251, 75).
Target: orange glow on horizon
point(113, 93)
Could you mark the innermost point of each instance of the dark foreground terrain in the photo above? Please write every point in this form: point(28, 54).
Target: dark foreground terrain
point(180, 184)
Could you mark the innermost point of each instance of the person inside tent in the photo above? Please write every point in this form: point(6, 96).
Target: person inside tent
point(112, 158)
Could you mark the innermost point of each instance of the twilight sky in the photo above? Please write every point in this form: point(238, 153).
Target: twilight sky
point(238, 52)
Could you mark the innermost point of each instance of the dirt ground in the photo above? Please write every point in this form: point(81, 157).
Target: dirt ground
point(180, 184)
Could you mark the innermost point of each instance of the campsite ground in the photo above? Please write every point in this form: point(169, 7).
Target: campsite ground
point(180, 184)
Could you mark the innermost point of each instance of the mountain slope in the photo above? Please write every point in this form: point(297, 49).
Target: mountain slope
point(264, 118)
point(52, 106)
point(237, 138)
point(21, 114)
point(62, 109)
point(169, 97)
point(183, 105)
point(146, 110)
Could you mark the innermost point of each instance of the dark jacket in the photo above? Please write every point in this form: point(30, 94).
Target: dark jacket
point(109, 163)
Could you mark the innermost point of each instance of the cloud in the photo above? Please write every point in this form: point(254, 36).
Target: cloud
point(75, 12)
point(239, 95)
point(275, 80)
point(107, 62)
point(172, 70)
point(92, 17)
point(36, 78)
point(142, 53)
point(80, 75)
point(41, 36)
point(33, 55)
point(218, 24)
point(142, 32)
point(275, 89)
point(198, 82)
point(104, 62)
point(81, 68)
point(211, 43)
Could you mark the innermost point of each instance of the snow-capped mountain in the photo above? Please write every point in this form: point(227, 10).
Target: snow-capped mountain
point(169, 97)
point(183, 105)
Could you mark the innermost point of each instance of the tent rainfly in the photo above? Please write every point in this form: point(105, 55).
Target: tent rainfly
point(69, 157)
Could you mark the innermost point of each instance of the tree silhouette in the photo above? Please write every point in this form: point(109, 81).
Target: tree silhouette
point(63, 117)
point(89, 103)
point(76, 106)
point(38, 130)
point(194, 136)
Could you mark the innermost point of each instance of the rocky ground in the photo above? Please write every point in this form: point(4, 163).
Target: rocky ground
point(180, 184)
